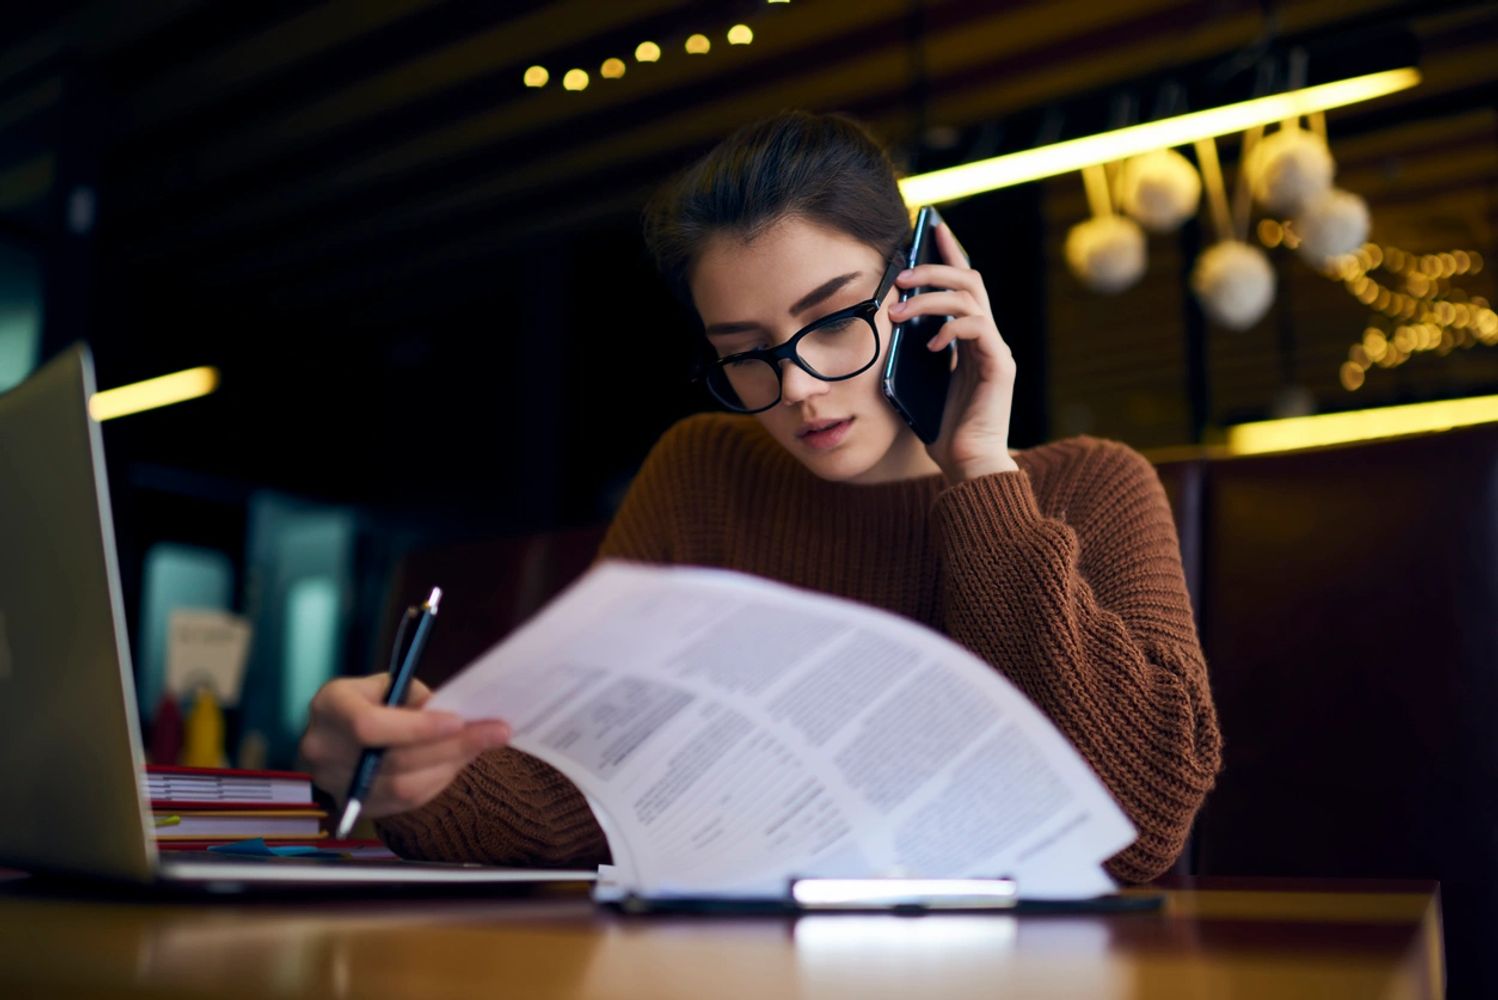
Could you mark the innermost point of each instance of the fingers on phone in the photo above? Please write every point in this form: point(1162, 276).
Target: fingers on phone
point(951, 248)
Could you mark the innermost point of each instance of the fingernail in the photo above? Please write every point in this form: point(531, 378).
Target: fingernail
point(497, 735)
point(931, 344)
point(906, 273)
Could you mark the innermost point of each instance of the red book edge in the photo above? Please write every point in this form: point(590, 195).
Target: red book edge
point(326, 843)
point(225, 772)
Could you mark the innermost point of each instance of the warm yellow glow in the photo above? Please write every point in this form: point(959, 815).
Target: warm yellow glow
point(740, 34)
point(153, 392)
point(575, 79)
point(698, 45)
point(612, 69)
point(1105, 147)
point(536, 76)
point(647, 52)
point(1359, 425)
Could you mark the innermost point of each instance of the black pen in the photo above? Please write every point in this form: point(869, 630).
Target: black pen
point(400, 679)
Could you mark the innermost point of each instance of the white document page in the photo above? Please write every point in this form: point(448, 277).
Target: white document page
point(731, 732)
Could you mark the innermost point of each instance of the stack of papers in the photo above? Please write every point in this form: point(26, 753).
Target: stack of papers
point(227, 784)
point(731, 733)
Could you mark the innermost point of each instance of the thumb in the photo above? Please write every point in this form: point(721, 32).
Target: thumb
point(417, 694)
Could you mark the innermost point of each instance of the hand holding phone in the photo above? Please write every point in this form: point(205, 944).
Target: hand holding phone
point(915, 379)
point(949, 372)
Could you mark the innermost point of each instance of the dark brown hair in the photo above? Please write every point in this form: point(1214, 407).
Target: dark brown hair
point(825, 168)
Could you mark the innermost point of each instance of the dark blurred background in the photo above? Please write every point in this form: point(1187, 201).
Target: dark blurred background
point(424, 286)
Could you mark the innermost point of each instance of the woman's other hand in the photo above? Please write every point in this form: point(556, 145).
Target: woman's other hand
point(425, 749)
point(974, 439)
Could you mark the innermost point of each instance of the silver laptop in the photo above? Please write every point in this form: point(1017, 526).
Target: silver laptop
point(72, 788)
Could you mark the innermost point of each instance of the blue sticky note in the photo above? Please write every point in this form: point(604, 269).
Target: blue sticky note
point(258, 848)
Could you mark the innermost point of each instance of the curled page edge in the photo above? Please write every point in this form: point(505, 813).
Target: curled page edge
point(618, 879)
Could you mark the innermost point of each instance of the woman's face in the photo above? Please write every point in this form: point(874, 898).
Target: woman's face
point(758, 294)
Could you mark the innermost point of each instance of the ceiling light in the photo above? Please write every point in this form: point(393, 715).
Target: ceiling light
point(647, 52)
point(1359, 425)
point(612, 69)
point(740, 34)
point(536, 76)
point(1106, 147)
point(575, 79)
point(698, 45)
point(153, 392)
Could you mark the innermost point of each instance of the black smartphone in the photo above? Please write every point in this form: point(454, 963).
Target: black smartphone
point(915, 379)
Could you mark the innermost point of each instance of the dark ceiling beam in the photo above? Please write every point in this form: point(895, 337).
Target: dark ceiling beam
point(30, 103)
point(89, 31)
point(482, 213)
point(242, 63)
point(320, 117)
point(807, 76)
point(25, 185)
point(352, 239)
point(509, 117)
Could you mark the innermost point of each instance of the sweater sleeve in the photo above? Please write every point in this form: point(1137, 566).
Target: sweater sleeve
point(507, 807)
point(1090, 617)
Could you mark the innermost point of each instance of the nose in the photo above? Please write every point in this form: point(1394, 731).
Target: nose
point(796, 385)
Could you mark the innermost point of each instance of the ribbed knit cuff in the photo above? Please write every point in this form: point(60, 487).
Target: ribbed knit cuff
point(505, 808)
point(425, 834)
point(1001, 503)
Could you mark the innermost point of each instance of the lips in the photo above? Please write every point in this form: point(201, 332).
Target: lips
point(813, 426)
point(821, 435)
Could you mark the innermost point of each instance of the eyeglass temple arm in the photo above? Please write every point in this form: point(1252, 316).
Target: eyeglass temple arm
point(896, 265)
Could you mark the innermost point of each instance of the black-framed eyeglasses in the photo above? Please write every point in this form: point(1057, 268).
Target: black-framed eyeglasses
point(836, 347)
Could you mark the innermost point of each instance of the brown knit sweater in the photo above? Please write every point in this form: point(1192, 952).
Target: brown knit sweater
point(1065, 575)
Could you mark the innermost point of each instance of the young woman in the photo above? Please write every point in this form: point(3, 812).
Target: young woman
point(1058, 565)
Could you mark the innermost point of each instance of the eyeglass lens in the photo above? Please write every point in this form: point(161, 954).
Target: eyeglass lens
point(832, 350)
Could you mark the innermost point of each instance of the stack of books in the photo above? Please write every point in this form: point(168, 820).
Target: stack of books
point(196, 807)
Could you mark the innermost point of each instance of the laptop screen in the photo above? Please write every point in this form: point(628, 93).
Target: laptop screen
point(70, 746)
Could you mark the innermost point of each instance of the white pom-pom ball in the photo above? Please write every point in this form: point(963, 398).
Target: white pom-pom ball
point(1331, 225)
point(1160, 190)
point(1234, 283)
point(1288, 169)
point(1106, 252)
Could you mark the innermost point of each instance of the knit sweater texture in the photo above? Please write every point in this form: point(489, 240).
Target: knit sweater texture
point(1065, 576)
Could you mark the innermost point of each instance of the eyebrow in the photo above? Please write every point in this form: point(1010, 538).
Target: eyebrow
point(815, 297)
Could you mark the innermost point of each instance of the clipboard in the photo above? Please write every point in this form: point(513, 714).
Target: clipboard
point(889, 895)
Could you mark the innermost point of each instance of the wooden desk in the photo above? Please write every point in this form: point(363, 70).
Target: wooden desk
point(1215, 937)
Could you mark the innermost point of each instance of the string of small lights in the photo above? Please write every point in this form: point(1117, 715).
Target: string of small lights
point(614, 68)
point(1419, 309)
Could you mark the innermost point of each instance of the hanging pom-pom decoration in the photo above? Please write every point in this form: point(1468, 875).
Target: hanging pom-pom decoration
point(1289, 169)
point(1161, 190)
point(1234, 283)
point(1334, 224)
point(1106, 252)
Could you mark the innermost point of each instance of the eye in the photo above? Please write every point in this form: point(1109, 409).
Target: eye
point(838, 326)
